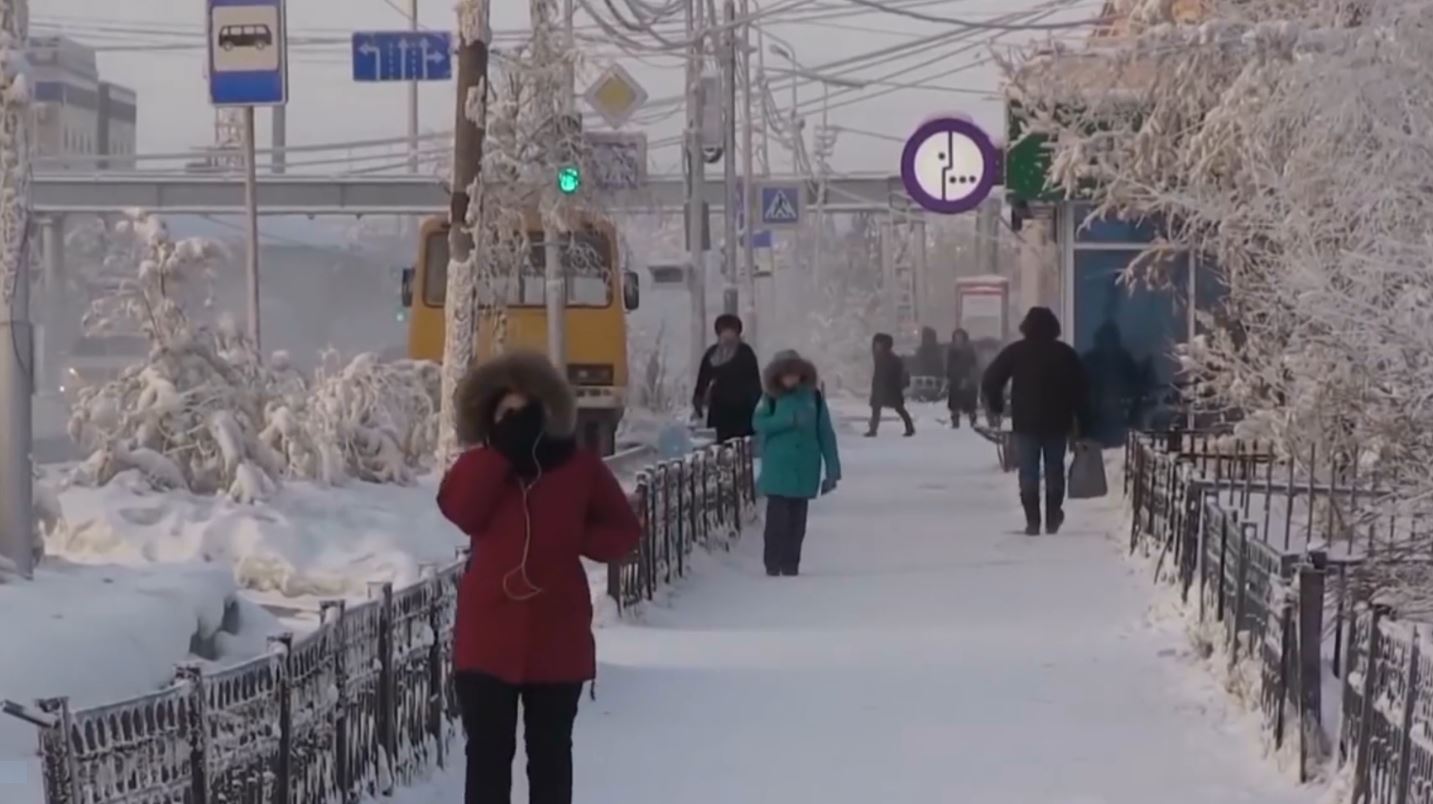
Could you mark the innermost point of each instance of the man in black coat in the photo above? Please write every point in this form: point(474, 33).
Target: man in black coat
point(1049, 396)
point(728, 382)
point(888, 384)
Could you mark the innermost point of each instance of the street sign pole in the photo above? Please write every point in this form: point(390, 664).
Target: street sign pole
point(251, 205)
point(248, 67)
point(413, 93)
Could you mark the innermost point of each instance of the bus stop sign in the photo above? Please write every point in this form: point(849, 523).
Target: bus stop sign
point(248, 53)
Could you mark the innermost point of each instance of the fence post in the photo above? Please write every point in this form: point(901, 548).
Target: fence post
point(339, 646)
point(1405, 747)
point(1311, 584)
point(1241, 594)
point(61, 778)
point(1370, 665)
point(196, 732)
point(1286, 665)
point(283, 763)
point(436, 692)
point(387, 688)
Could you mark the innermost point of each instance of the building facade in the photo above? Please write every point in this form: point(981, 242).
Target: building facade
point(81, 121)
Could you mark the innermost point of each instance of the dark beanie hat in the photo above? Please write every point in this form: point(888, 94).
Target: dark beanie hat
point(727, 321)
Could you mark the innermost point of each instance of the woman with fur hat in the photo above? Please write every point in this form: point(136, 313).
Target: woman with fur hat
point(534, 505)
point(797, 439)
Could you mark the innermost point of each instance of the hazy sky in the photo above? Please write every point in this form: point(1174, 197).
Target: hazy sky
point(326, 106)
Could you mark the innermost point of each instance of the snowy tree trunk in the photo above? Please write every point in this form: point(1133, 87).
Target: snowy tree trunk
point(461, 300)
point(14, 145)
point(16, 479)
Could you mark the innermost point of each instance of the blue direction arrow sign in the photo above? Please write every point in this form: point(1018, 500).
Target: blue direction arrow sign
point(402, 56)
point(248, 61)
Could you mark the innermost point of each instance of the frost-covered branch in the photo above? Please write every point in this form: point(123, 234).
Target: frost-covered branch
point(1285, 143)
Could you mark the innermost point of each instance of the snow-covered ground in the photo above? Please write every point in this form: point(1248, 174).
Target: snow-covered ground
point(103, 632)
point(927, 654)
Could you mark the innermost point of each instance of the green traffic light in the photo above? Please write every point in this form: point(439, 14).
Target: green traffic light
point(569, 179)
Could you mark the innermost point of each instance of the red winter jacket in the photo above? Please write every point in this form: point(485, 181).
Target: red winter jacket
point(577, 511)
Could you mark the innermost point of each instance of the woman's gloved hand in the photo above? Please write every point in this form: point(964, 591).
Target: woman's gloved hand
point(828, 485)
point(516, 436)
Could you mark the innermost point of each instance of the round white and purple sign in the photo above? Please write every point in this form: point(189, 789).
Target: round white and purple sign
point(949, 166)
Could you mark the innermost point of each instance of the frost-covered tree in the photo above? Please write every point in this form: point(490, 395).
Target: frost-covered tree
point(204, 413)
point(1284, 142)
point(187, 416)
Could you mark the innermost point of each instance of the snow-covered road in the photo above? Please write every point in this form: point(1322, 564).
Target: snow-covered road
point(928, 654)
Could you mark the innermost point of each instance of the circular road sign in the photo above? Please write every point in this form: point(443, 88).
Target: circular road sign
point(949, 166)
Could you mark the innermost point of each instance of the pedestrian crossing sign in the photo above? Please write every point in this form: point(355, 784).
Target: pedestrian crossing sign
point(780, 205)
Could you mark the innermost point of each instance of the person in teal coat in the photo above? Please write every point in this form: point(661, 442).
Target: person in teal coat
point(797, 438)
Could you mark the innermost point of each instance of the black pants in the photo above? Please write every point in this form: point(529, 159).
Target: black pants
point(785, 531)
point(1033, 451)
point(899, 408)
point(490, 720)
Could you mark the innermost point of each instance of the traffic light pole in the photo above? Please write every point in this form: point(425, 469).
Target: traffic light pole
point(730, 301)
point(555, 283)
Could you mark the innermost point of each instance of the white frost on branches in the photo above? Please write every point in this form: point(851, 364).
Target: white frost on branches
point(14, 147)
point(203, 413)
point(1288, 142)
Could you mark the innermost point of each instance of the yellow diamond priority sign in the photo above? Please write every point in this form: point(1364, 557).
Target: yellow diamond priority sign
point(616, 96)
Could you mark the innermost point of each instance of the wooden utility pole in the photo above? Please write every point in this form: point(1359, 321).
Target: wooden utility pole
point(461, 299)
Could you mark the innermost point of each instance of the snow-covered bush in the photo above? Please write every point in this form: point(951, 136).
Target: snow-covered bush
point(203, 413)
point(364, 419)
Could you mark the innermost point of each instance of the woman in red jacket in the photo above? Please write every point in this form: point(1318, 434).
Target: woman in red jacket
point(534, 505)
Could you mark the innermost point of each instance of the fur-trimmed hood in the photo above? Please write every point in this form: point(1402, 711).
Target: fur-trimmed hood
point(784, 363)
point(527, 373)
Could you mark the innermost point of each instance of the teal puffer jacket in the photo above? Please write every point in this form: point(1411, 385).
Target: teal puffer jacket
point(797, 437)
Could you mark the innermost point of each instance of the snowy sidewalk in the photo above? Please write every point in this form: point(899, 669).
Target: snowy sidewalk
point(928, 654)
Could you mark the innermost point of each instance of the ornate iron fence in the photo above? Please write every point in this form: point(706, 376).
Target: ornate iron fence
point(701, 499)
point(1272, 552)
point(364, 703)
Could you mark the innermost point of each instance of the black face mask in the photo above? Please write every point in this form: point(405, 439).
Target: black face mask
point(520, 437)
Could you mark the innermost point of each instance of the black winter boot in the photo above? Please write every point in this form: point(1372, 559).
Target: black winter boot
point(1054, 516)
point(1031, 504)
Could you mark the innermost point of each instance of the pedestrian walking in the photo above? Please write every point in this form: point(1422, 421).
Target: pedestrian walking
point(728, 382)
point(889, 381)
point(962, 377)
point(1049, 398)
point(533, 504)
point(797, 441)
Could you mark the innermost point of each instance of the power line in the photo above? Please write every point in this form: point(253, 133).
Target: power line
point(889, 8)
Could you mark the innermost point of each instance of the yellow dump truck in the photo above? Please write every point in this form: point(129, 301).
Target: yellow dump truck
point(599, 295)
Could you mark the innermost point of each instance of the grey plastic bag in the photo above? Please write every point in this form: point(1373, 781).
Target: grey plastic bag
point(1087, 472)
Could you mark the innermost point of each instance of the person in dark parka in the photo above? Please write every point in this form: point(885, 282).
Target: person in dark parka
point(930, 358)
point(962, 375)
point(888, 384)
point(728, 382)
point(1049, 397)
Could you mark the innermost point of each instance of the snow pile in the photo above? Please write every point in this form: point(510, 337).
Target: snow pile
point(204, 413)
point(305, 541)
point(102, 633)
